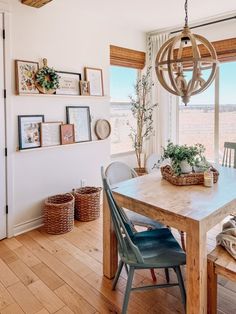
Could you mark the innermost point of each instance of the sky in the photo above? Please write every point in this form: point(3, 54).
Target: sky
point(123, 80)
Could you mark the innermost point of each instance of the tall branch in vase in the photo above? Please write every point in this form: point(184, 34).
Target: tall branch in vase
point(142, 110)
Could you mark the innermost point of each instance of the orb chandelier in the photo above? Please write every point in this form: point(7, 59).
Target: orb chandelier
point(181, 73)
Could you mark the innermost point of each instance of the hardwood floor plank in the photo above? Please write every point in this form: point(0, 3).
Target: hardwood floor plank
point(43, 311)
point(48, 298)
point(12, 309)
point(64, 310)
point(74, 301)
point(23, 272)
point(12, 243)
point(26, 256)
point(48, 276)
point(6, 254)
point(5, 298)
point(7, 277)
point(25, 298)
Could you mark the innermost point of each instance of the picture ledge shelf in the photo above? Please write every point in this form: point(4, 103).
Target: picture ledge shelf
point(57, 146)
point(55, 95)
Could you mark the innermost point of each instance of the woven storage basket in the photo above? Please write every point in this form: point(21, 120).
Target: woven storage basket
point(186, 179)
point(59, 213)
point(87, 203)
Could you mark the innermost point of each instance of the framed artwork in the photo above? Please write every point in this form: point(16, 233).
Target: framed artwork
point(25, 77)
point(50, 133)
point(80, 117)
point(94, 76)
point(68, 83)
point(29, 131)
point(84, 88)
point(67, 134)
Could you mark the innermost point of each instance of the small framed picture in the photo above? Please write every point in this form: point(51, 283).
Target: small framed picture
point(25, 77)
point(50, 133)
point(94, 76)
point(80, 117)
point(29, 131)
point(67, 134)
point(68, 83)
point(84, 88)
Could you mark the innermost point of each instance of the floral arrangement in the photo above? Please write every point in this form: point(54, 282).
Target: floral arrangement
point(193, 155)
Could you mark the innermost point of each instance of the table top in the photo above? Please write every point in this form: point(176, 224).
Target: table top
point(195, 202)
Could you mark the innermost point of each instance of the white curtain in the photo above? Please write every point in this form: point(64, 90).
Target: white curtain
point(164, 115)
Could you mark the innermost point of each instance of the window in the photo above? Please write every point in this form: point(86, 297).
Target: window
point(122, 82)
point(210, 117)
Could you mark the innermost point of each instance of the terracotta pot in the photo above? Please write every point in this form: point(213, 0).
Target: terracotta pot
point(140, 171)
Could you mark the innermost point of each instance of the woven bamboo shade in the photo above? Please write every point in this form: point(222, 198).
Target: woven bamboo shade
point(35, 3)
point(127, 57)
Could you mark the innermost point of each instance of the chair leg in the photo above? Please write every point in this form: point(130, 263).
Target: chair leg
point(182, 240)
point(120, 266)
point(167, 275)
point(154, 278)
point(181, 285)
point(127, 290)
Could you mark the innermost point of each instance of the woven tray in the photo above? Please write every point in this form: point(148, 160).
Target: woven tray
point(186, 179)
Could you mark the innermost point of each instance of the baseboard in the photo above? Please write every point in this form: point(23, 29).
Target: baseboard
point(28, 225)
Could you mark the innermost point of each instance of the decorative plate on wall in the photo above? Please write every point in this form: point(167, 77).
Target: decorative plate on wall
point(102, 129)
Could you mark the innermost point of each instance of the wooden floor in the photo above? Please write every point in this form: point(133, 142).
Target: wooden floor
point(41, 273)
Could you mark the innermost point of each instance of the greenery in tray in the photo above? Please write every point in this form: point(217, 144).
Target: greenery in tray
point(193, 155)
point(142, 110)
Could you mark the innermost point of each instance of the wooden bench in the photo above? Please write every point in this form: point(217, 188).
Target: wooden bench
point(220, 262)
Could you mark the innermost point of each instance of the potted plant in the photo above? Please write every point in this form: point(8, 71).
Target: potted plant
point(183, 158)
point(142, 110)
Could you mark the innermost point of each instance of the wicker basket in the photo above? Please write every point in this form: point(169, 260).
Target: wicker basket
point(59, 213)
point(186, 179)
point(87, 203)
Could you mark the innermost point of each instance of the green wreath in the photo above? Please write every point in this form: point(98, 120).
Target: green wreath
point(47, 77)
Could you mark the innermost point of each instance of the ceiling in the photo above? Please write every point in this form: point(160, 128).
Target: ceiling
point(151, 15)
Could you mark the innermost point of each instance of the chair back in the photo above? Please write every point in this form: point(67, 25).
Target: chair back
point(229, 157)
point(122, 227)
point(118, 171)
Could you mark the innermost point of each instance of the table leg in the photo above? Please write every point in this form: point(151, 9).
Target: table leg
point(110, 257)
point(196, 270)
point(211, 288)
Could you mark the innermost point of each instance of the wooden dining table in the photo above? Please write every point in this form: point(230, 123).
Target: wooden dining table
point(193, 209)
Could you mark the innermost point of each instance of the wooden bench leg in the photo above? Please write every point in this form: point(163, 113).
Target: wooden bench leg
point(211, 288)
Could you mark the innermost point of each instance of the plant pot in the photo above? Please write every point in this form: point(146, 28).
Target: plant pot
point(185, 167)
point(140, 171)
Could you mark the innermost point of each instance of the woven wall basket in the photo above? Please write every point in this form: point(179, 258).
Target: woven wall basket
point(59, 213)
point(87, 203)
point(186, 179)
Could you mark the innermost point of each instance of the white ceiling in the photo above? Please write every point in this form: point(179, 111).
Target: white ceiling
point(148, 15)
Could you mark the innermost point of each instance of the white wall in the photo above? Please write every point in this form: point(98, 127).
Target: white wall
point(70, 39)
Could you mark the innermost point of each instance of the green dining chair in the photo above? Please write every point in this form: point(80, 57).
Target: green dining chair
point(143, 250)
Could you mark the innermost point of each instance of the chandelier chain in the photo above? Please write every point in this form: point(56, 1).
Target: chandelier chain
point(186, 13)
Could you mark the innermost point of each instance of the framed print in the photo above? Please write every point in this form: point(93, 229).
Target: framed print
point(80, 117)
point(94, 76)
point(29, 131)
point(68, 83)
point(50, 133)
point(25, 77)
point(84, 88)
point(67, 134)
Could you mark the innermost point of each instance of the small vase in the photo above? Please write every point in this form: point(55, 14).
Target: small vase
point(185, 167)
